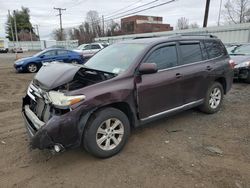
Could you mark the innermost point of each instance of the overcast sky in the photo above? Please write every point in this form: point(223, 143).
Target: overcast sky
point(43, 14)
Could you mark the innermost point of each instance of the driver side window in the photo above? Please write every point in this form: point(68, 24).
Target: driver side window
point(164, 57)
point(50, 53)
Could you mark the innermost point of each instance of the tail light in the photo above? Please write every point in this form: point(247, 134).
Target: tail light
point(232, 64)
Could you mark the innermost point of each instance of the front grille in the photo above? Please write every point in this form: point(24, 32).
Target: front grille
point(37, 103)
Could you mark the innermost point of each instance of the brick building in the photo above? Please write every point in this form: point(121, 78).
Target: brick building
point(143, 24)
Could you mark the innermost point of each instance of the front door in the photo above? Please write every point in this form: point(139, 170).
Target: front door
point(159, 92)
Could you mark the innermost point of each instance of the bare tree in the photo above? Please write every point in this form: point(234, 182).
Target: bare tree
point(182, 23)
point(58, 35)
point(193, 25)
point(237, 11)
point(94, 21)
point(112, 28)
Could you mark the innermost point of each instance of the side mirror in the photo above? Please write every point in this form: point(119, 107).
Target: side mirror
point(148, 68)
point(41, 56)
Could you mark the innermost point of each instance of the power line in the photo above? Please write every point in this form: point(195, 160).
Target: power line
point(123, 8)
point(161, 4)
point(151, 2)
point(132, 13)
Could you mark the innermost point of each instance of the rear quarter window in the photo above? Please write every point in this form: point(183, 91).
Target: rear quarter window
point(214, 49)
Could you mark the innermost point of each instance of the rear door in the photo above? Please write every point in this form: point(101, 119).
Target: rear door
point(193, 70)
point(159, 92)
point(87, 51)
point(62, 55)
point(95, 48)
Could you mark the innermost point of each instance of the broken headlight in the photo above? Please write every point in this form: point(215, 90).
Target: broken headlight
point(61, 100)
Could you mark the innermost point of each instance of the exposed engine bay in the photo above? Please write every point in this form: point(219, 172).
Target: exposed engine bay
point(85, 77)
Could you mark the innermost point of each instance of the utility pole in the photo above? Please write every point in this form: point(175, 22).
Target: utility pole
point(103, 25)
point(11, 28)
point(60, 15)
point(206, 13)
point(31, 38)
point(219, 13)
point(37, 30)
point(15, 27)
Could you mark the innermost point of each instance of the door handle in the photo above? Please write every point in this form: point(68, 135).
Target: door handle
point(209, 68)
point(178, 75)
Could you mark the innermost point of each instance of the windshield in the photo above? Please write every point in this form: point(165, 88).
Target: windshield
point(115, 58)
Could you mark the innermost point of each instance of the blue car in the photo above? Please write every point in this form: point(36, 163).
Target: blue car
point(34, 63)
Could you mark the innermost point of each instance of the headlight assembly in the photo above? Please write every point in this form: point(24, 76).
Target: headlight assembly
point(244, 64)
point(61, 100)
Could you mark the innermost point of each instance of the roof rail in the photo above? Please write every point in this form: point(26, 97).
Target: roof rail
point(146, 37)
point(193, 35)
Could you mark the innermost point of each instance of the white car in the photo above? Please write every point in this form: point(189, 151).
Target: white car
point(88, 50)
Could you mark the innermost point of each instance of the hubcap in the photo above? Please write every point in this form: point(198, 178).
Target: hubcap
point(109, 134)
point(32, 68)
point(215, 98)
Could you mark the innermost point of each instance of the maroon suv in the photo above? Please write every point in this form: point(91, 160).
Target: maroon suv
point(124, 86)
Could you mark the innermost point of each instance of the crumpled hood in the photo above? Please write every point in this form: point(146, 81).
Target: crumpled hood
point(240, 58)
point(55, 74)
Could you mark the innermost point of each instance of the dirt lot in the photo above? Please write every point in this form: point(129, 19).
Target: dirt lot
point(172, 152)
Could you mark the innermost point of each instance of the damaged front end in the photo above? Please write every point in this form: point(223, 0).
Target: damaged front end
point(54, 118)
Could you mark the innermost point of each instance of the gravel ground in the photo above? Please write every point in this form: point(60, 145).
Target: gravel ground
point(190, 149)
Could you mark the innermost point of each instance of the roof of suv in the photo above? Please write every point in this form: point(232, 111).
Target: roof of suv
point(155, 40)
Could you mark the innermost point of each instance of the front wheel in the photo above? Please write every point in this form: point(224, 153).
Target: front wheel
point(106, 133)
point(32, 68)
point(213, 99)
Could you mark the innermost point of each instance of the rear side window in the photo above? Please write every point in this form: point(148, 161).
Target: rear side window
point(164, 57)
point(214, 49)
point(190, 52)
point(95, 46)
point(62, 52)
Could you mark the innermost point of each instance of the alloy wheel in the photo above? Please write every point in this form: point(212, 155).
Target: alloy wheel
point(215, 98)
point(32, 68)
point(109, 134)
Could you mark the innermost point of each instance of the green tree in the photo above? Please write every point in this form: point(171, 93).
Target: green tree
point(24, 26)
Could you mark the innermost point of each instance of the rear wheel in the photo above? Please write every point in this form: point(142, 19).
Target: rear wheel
point(213, 99)
point(106, 133)
point(74, 61)
point(32, 68)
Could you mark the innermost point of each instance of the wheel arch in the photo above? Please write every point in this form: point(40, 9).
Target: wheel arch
point(223, 82)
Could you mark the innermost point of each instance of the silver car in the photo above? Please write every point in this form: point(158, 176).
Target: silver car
point(88, 50)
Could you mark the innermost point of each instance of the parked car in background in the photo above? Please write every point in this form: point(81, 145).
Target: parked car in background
point(124, 86)
point(4, 45)
point(34, 63)
point(88, 50)
point(240, 54)
point(17, 50)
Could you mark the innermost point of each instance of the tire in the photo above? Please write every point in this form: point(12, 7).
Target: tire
point(74, 61)
point(213, 99)
point(99, 139)
point(32, 68)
